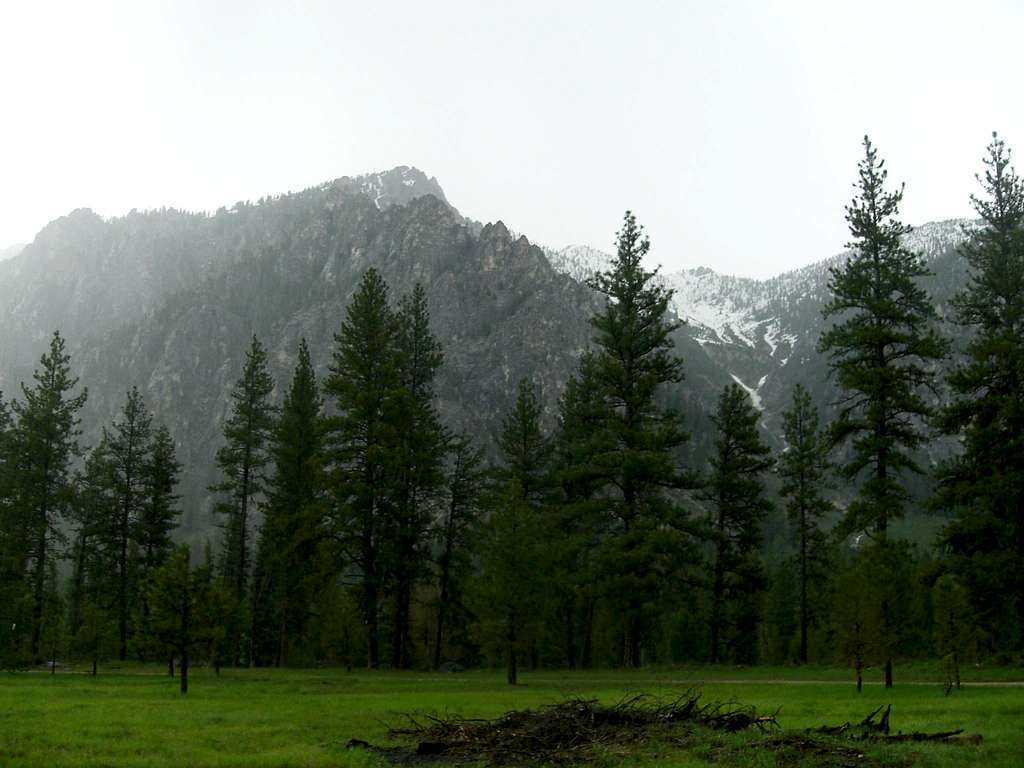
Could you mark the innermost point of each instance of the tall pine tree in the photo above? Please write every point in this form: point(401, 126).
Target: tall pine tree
point(364, 382)
point(633, 358)
point(242, 462)
point(803, 469)
point(419, 471)
point(127, 448)
point(879, 349)
point(738, 506)
point(293, 519)
point(45, 441)
point(985, 485)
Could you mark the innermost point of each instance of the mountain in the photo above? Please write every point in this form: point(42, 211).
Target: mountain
point(10, 251)
point(167, 300)
point(763, 333)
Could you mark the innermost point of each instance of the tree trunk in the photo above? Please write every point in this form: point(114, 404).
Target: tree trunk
point(512, 673)
point(803, 585)
point(888, 673)
point(587, 656)
point(570, 633)
point(39, 592)
point(370, 617)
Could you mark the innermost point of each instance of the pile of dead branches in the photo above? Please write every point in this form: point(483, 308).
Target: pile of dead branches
point(568, 732)
point(870, 729)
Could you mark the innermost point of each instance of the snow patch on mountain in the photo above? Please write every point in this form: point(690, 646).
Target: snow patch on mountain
point(754, 392)
point(723, 309)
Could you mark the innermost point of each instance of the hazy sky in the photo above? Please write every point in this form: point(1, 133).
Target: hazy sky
point(732, 129)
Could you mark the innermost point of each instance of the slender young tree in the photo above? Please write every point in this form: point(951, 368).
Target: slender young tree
point(181, 603)
point(737, 496)
point(803, 468)
point(45, 441)
point(632, 360)
point(880, 350)
point(364, 382)
point(127, 448)
point(458, 527)
point(242, 462)
point(985, 484)
point(293, 520)
point(508, 592)
point(419, 454)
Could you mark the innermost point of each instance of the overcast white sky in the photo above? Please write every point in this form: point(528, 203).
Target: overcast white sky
point(731, 128)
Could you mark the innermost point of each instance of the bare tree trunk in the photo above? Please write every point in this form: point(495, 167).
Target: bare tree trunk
point(512, 674)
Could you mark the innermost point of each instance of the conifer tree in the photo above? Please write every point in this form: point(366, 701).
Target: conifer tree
point(160, 513)
point(158, 516)
point(632, 360)
point(803, 468)
point(242, 462)
point(458, 527)
point(181, 609)
point(580, 441)
point(45, 441)
point(737, 496)
point(292, 526)
point(879, 350)
point(509, 590)
point(419, 455)
point(364, 382)
point(127, 448)
point(985, 485)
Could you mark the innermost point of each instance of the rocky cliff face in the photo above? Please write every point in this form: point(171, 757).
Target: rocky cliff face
point(168, 300)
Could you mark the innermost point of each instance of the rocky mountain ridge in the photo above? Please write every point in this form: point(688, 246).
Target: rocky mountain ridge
point(167, 300)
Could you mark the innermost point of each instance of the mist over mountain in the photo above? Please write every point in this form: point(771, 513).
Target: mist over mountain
point(167, 300)
point(11, 251)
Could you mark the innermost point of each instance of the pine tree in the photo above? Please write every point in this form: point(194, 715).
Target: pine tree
point(292, 526)
point(364, 381)
point(954, 623)
point(879, 350)
point(159, 514)
point(803, 469)
point(580, 440)
point(419, 457)
point(633, 359)
point(737, 496)
point(458, 527)
point(182, 609)
point(242, 462)
point(13, 545)
point(509, 590)
point(45, 441)
point(127, 448)
point(985, 485)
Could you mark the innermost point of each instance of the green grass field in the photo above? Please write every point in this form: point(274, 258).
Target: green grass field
point(136, 717)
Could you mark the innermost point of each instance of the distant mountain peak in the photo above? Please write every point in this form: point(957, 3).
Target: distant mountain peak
point(398, 186)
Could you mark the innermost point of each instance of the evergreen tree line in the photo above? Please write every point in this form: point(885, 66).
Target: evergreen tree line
point(355, 528)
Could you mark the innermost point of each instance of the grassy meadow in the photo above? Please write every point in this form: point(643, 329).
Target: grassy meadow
point(136, 717)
